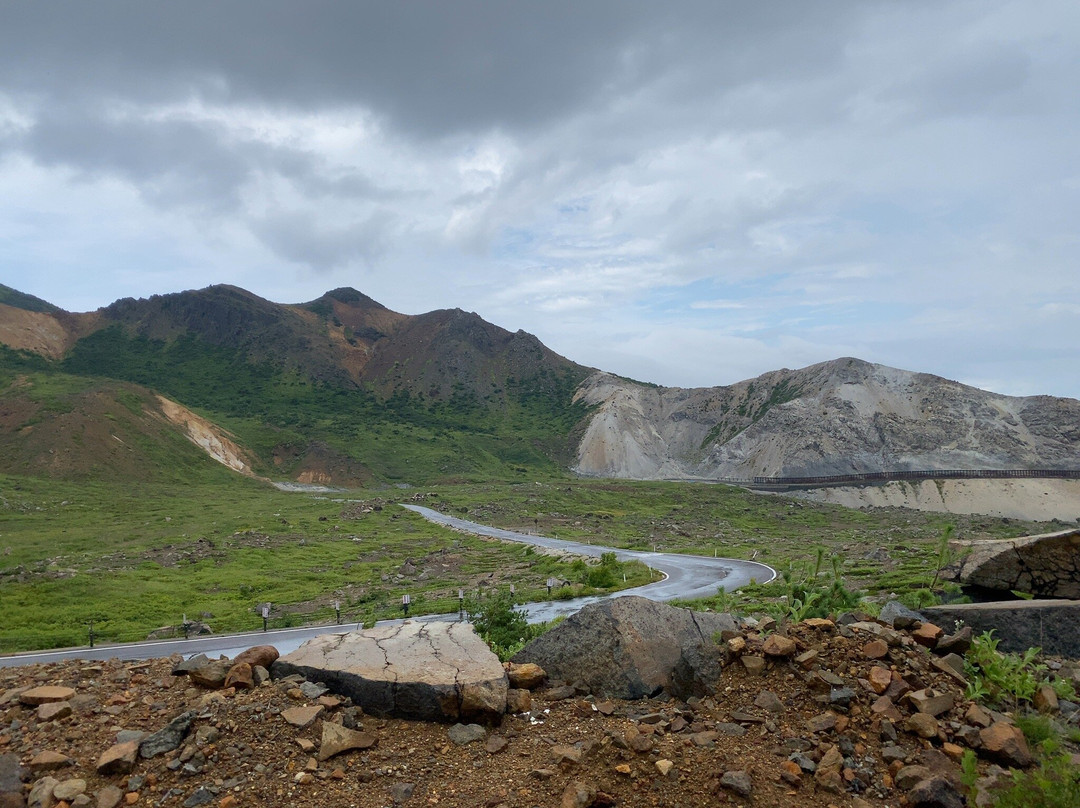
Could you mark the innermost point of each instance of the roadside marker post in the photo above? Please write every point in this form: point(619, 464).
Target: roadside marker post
point(91, 633)
point(405, 601)
point(337, 610)
point(461, 604)
point(265, 614)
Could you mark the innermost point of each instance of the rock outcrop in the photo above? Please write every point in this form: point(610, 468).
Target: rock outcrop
point(631, 647)
point(1052, 625)
point(839, 417)
point(1046, 566)
point(428, 671)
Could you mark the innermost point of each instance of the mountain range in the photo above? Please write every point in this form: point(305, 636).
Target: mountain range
point(342, 390)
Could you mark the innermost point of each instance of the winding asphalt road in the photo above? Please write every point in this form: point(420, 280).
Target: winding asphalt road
point(685, 576)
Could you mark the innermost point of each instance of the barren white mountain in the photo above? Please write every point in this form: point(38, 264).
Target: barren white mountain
point(845, 416)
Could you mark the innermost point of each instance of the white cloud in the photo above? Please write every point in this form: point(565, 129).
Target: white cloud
point(694, 195)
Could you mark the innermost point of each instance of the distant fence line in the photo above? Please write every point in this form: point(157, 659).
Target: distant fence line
point(893, 476)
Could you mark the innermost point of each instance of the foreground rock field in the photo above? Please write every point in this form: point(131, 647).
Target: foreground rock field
point(813, 715)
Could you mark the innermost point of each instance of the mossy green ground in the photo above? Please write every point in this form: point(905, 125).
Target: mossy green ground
point(135, 557)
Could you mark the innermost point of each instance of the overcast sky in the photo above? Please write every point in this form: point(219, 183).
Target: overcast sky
point(684, 193)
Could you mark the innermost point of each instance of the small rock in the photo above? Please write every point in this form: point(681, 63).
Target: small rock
point(260, 656)
point(518, 700)
point(41, 794)
point(891, 753)
point(495, 744)
point(462, 734)
point(302, 717)
point(560, 693)
point(337, 739)
point(11, 774)
point(401, 793)
point(53, 711)
point(935, 792)
point(109, 797)
point(313, 690)
point(777, 645)
point(1045, 700)
point(1005, 743)
point(807, 659)
point(738, 781)
point(958, 643)
point(525, 675)
point(908, 776)
point(875, 649)
point(664, 766)
point(931, 702)
point(978, 717)
point(68, 790)
point(118, 759)
point(564, 753)
point(897, 615)
point(769, 701)
point(45, 694)
point(879, 678)
point(240, 676)
point(823, 722)
point(754, 665)
point(578, 795)
point(211, 675)
point(922, 724)
point(200, 796)
point(48, 761)
point(791, 773)
point(927, 635)
point(168, 737)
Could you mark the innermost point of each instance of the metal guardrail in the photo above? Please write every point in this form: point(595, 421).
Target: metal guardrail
point(893, 476)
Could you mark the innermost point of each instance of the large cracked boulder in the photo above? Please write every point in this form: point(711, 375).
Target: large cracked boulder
point(424, 671)
point(632, 647)
point(1047, 565)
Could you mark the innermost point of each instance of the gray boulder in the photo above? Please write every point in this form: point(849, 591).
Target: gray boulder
point(424, 671)
point(168, 737)
point(632, 648)
point(1053, 625)
point(11, 774)
point(1047, 565)
point(897, 615)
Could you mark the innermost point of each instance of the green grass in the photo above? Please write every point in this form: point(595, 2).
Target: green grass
point(133, 557)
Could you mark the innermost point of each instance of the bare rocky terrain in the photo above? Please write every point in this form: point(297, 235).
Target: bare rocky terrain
point(1029, 500)
point(816, 714)
point(840, 417)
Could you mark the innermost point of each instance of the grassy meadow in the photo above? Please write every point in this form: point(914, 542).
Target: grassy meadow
point(133, 557)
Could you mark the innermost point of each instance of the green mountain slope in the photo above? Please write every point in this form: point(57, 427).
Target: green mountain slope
point(338, 390)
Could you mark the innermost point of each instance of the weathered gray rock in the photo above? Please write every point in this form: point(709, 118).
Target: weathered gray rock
point(897, 615)
point(425, 671)
point(11, 792)
point(1047, 565)
point(211, 675)
point(1053, 625)
point(186, 666)
point(41, 795)
point(936, 792)
point(630, 648)
point(168, 737)
point(463, 734)
point(738, 781)
point(67, 790)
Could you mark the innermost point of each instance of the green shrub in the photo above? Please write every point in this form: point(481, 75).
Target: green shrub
point(504, 628)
